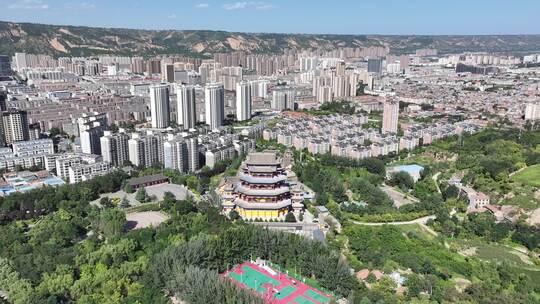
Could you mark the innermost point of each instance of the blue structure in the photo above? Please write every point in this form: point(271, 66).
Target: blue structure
point(414, 171)
point(26, 181)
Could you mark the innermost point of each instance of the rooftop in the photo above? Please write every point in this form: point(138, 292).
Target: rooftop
point(408, 168)
point(147, 179)
point(262, 158)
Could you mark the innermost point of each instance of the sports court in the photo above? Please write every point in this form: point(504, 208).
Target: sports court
point(275, 287)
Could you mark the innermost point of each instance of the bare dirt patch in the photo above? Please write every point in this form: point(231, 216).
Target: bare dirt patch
point(534, 218)
point(139, 220)
point(471, 251)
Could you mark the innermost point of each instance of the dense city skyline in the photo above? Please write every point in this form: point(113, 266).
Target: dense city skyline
point(259, 165)
point(388, 17)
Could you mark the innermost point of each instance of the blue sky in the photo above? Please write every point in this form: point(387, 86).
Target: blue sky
point(289, 16)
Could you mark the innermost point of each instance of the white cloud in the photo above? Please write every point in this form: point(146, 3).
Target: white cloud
point(28, 5)
point(202, 5)
point(248, 5)
point(235, 6)
point(172, 16)
point(264, 6)
point(87, 5)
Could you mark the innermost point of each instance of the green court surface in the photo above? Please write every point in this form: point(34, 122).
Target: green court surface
point(253, 279)
point(285, 292)
point(302, 300)
point(315, 296)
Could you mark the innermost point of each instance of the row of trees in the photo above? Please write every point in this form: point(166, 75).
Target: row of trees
point(326, 180)
point(337, 179)
point(202, 286)
point(12, 287)
point(238, 244)
point(67, 257)
point(37, 202)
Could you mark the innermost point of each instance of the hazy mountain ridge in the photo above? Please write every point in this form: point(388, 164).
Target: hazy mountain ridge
point(86, 41)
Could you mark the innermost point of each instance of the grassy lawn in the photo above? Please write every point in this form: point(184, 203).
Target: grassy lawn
point(214, 180)
point(418, 230)
point(497, 253)
point(529, 176)
point(524, 197)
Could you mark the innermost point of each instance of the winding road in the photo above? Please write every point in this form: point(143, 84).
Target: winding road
point(435, 178)
point(422, 221)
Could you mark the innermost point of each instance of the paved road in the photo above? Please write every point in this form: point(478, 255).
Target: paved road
point(435, 179)
point(399, 198)
point(420, 221)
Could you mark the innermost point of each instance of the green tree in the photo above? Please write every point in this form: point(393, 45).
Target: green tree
point(105, 202)
point(451, 192)
point(18, 290)
point(402, 179)
point(192, 182)
point(184, 207)
point(233, 215)
point(111, 222)
point(449, 228)
point(58, 283)
point(371, 278)
point(290, 218)
point(415, 284)
point(128, 188)
point(386, 285)
point(141, 195)
point(125, 203)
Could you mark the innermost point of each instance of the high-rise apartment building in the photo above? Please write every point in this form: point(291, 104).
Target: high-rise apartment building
point(160, 105)
point(186, 116)
point(532, 111)
point(259, 88)
point(282, 98)
point(5, 65)
point(308, 63)
point(137, 65)
point(340, 68)
point(175, 154)
point(20, 61)
point(243, 101)
point(90, 140)
point(193, 153)
point(325, 94)
point(167, 73)
point(390, 116)
point(214, 99)
point(375, 65)
point(114, 148)
point(340, 86)
point(91, 128)
point(3, 101)
point(143, 151)
point(404, 63)
point(15, 126)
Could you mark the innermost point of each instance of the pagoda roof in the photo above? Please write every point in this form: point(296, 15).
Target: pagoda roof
point(262, 158)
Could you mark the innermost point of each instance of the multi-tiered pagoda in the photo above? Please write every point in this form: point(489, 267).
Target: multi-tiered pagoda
point(262, 191)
